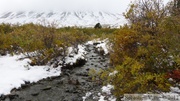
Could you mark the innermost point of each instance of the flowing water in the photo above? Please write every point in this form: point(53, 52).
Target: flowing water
point(71, 85)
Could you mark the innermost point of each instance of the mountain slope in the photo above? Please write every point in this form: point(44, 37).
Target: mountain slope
point(64, 19)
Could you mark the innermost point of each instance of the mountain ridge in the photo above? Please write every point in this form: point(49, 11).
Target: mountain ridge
point(63, 18)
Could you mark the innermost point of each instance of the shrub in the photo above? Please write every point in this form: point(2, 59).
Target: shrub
point(124, 42)
point(131, 78)
point(142, 61)
point(175, 75)
point(5, 44)
point(5, 28)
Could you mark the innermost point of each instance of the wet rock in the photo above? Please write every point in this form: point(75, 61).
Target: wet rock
point(71, 90)
point(73, 81)
point(77, 99)
point(67, 66)
point(101, 51)
point(96, 43)
point(35, 94)
point(49, 78)
point(82, 74)
point(82, 83)
point(12, 96)
point(71, 55)
point(60, 82)
point(103, 60)
point(27, 82)
point(105, 66)
point(67, 73)
point(2, 53)
point(7, 99)
point(87, 69)
point(79, 63)
point(47, 88)
point(87, 64)
point(24, 86)
point(91, 99)
point(2, 97)
point(55, 77)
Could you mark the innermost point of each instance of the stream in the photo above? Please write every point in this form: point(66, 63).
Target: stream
point(71, 85)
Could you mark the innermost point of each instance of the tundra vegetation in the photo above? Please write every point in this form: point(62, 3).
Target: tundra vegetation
point(43, 43)
point(145, 52)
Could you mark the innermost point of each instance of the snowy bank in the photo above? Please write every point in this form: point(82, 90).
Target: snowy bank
point(15, 72)
point(72, 57)
point(101, 45)
point(104, 95)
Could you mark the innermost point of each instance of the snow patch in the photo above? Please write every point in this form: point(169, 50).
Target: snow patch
point(106, 93)
point(15, 72)
point(175, 89)
point(80, 55)
point(103, 45)
point(93, 41)
point(113, 73)
point(107, 89)
point(86, 96)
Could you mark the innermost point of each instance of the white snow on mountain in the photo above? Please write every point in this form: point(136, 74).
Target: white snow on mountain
point(64, 18)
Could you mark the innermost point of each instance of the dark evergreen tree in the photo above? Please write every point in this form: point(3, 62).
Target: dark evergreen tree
point(97, 26)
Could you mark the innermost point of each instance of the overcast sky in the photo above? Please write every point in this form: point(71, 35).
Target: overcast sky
point(58, 5)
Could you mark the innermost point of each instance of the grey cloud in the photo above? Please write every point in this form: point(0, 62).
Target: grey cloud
point(45, 5)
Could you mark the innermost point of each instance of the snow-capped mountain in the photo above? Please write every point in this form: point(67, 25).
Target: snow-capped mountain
point(64, 18)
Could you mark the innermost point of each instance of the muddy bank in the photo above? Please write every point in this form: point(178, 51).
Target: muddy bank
point(72, 85)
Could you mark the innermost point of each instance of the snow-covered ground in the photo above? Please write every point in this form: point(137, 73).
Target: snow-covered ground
point(106, 92)
point(14, 72)
point(104, 95)
point(102, 45)
point(72, 57)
